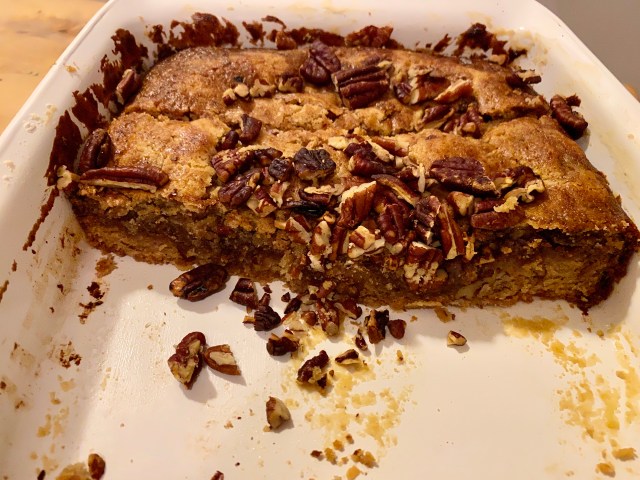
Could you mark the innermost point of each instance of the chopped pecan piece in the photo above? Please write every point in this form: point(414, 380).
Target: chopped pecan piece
point(522, 78)
point(239, 190)
point(261, 202)
point(463, 173)
point(450, 233)
point(356, 204)
point(397, 328)
point(200, 282)
point(261, 89)
point(493, 220)
point(320, 63)
point(128, 85)
point(328, 318)
point(399, 188)
point(392, 222)
point(457, 90)
point(186, 363)
point(229, 141)
point(221, 359)
point(455, 339)
point(250, 129)
point(95, 152)
point(349, 307)
point(420, 88)
point(314, 195)
point(572, 122)
point(462, 203)
point(312, 370)
point(298, 229)
point(266, 318)
point(146, 177)
point(277, 413)
point(218, 475)
point(421, 265)
point(349, 357)
point(427, 210)
point(397, 149)
point(376, 325)
point(228, 163)
point(281, 169)
point(96, 466)
point(290, 83)
point(309, 317)
point(436, 113)
point(361, 86)
point(278, 346)
point(359, 340)
point(244, 293)
point(364, 162)
point(313, 164)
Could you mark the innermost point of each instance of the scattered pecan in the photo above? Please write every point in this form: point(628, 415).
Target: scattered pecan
point(278, 346)
point(229, 97)
point(96, 466)
point(572, 122)
point(455, 339)
point(186, 363)
point(463, 173)
point(397, 328)
point(314, 195)
point(361, 86)
point(265, 299)
point(239, 190)
point(281, 169)
point(356, 204)
point(522, 182)
point(146, 177)
point(392, 222)
point(313, 164)
point(470, 122)
point(312, 370)
point(128, 85)
point(457, 90)
point(397, 149)
point(250, 128)
point(328, 318)
point(266, 318)
point(320, 63)
point(241, 90)
point(477, 36)
point(450, 233)
point(376, 325)
point(221, 359)
point(398, 187)
point(309, 317)
point(290, 83)
point(200, 282)
point(277, 413)
point(359, 340)
point(348, 357)
point(493, 220)
point(229, 141)
point(228, 163)
point(244, 293)
point(320, 245)
point(95, 152)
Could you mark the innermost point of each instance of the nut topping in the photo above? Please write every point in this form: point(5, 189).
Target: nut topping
point(376, 325)
point(200, 282)
point(128, 86)
point(239, 190)
point(281, 169)
point(320, 63)
point(399, 188)
point(185, 364)
point(364, 162)
point(572, 122)
point(278, 346)
point(229, 141)
point(463, 173)
point(95, 152)
point(462, 203)
point(361, 86)
point(265, 318)
point(328, 318)
point(311, 370)
point(244, 293)
point(221, 359)
point(290, 83)
point(147, 178)
point(420, 88)
point(455, 339)
point(450, 233)
point(261, 202)
point(313, 164)
point(455, 91)
point(277, 413)
point(355, 204)
point(250, 129)
point(228, 163)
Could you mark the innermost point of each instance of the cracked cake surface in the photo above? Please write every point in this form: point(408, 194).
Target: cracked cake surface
point(403, 177)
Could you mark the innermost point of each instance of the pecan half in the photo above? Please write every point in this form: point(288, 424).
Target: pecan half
point(281, 169)
point(364, 162)
point(463, 173)
point(244, 293)
point(355, 204)
point(277, 413)
point(200, 282)
point(397, 328)
point(221, 359)
point(128, 85)
point(250, 129)
point(186, 363)
point(376, 325)
point(313, 164)
point(266, 318)
point(239, 190)
point(572, 122)
point(229, 141)
point(278, 346)
point(320, 63)
point(95, 152)
point(146, 177)
point(228, 163)
point(361, 86)
point(311, 370)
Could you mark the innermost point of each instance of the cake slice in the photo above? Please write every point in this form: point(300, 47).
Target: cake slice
point(390, 177)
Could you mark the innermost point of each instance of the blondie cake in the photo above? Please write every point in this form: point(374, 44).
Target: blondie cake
point(399, 177)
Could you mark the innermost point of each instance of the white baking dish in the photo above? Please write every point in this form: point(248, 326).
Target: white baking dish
point(515, 403)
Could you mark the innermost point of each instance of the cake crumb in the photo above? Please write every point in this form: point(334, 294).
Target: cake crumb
point(400, 356)
point(444, 315)
point(606, 468)
point(353, 472)
point(624, 454)
point(364, 457)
